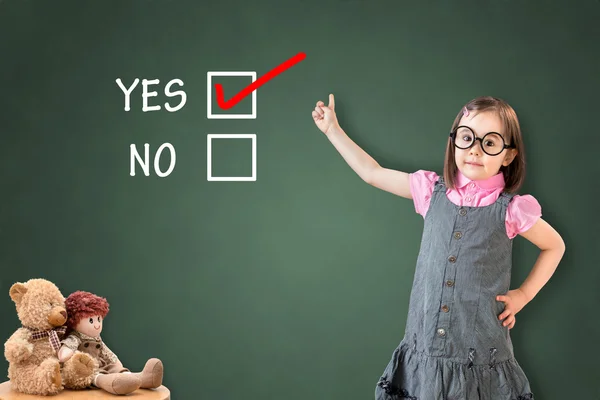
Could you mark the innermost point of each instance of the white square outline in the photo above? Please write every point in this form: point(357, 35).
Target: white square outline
point(209, 138)
point(209, 113)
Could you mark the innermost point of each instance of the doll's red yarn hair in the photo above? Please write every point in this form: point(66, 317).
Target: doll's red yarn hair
point(82, 305)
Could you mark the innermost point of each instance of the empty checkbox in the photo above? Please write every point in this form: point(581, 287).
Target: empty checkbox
point(226, 153)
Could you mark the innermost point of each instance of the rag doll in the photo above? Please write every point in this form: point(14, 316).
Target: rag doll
point(86, 312)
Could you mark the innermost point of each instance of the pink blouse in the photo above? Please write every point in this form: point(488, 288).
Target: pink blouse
point(522, 212)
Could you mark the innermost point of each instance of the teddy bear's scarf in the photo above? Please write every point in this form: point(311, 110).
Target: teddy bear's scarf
point(52, 335)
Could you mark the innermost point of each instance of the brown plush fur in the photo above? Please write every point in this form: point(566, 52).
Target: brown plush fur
point(79, 371)
point(33, 365)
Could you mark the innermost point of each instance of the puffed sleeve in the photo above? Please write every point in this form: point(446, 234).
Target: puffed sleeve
point(421, 188)
point(72, 342)
point(522, 213)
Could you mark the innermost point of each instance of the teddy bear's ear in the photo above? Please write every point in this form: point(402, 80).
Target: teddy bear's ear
point(17, 291)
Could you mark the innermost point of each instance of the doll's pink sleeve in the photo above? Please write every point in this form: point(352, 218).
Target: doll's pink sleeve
point(421, 188)
point(522, 213)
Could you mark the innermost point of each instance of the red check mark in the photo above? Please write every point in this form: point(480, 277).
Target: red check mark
point(257, 83)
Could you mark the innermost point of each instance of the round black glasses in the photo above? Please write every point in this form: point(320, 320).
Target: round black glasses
point(492, 143)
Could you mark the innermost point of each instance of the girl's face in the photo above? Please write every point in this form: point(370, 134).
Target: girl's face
point(474, 163)
point(91, 326)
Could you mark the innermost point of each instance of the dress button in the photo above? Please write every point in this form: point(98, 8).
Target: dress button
point(452, 259)
point(462, 212)
point(449, 283)
point(441, 332)
point(445, 308)
point(457, 235)
point(467, 198)
point(472, 185)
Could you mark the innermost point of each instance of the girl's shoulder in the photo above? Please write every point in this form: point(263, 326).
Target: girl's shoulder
point(524, 203)
point(522, 213)
point(422, 183)
point(423, 174)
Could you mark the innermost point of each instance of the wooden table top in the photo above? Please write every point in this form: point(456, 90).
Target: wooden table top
point(160, 393)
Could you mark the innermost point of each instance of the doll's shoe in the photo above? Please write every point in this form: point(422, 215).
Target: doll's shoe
point(118, 383)
point(152, 374)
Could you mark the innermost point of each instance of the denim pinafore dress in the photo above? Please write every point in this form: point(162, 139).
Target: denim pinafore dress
point(454, 347)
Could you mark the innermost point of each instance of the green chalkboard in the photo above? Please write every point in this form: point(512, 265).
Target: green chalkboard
point(293, 282)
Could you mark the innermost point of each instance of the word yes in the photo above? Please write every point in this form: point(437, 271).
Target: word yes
point(146, 94)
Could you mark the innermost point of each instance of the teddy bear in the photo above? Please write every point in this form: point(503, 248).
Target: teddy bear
point(86, 312)
point(31, 351)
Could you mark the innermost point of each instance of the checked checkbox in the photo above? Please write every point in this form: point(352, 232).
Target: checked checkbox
point(209, 156)
point(210, 113)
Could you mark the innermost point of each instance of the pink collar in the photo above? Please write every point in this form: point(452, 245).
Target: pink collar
point(493, 182)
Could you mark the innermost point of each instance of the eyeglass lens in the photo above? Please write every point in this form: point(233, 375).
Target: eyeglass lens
point(492, 143)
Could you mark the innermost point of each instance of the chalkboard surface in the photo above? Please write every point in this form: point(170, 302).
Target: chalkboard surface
point(293, 280)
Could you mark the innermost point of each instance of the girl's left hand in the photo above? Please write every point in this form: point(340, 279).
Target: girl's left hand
point(513, 301)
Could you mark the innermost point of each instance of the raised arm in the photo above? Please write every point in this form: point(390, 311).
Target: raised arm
point(396, 182)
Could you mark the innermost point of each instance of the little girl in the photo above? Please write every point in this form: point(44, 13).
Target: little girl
point(457, 345)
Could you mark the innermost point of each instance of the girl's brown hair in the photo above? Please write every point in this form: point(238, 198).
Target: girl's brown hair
point(514, 173)
point(81, 305)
